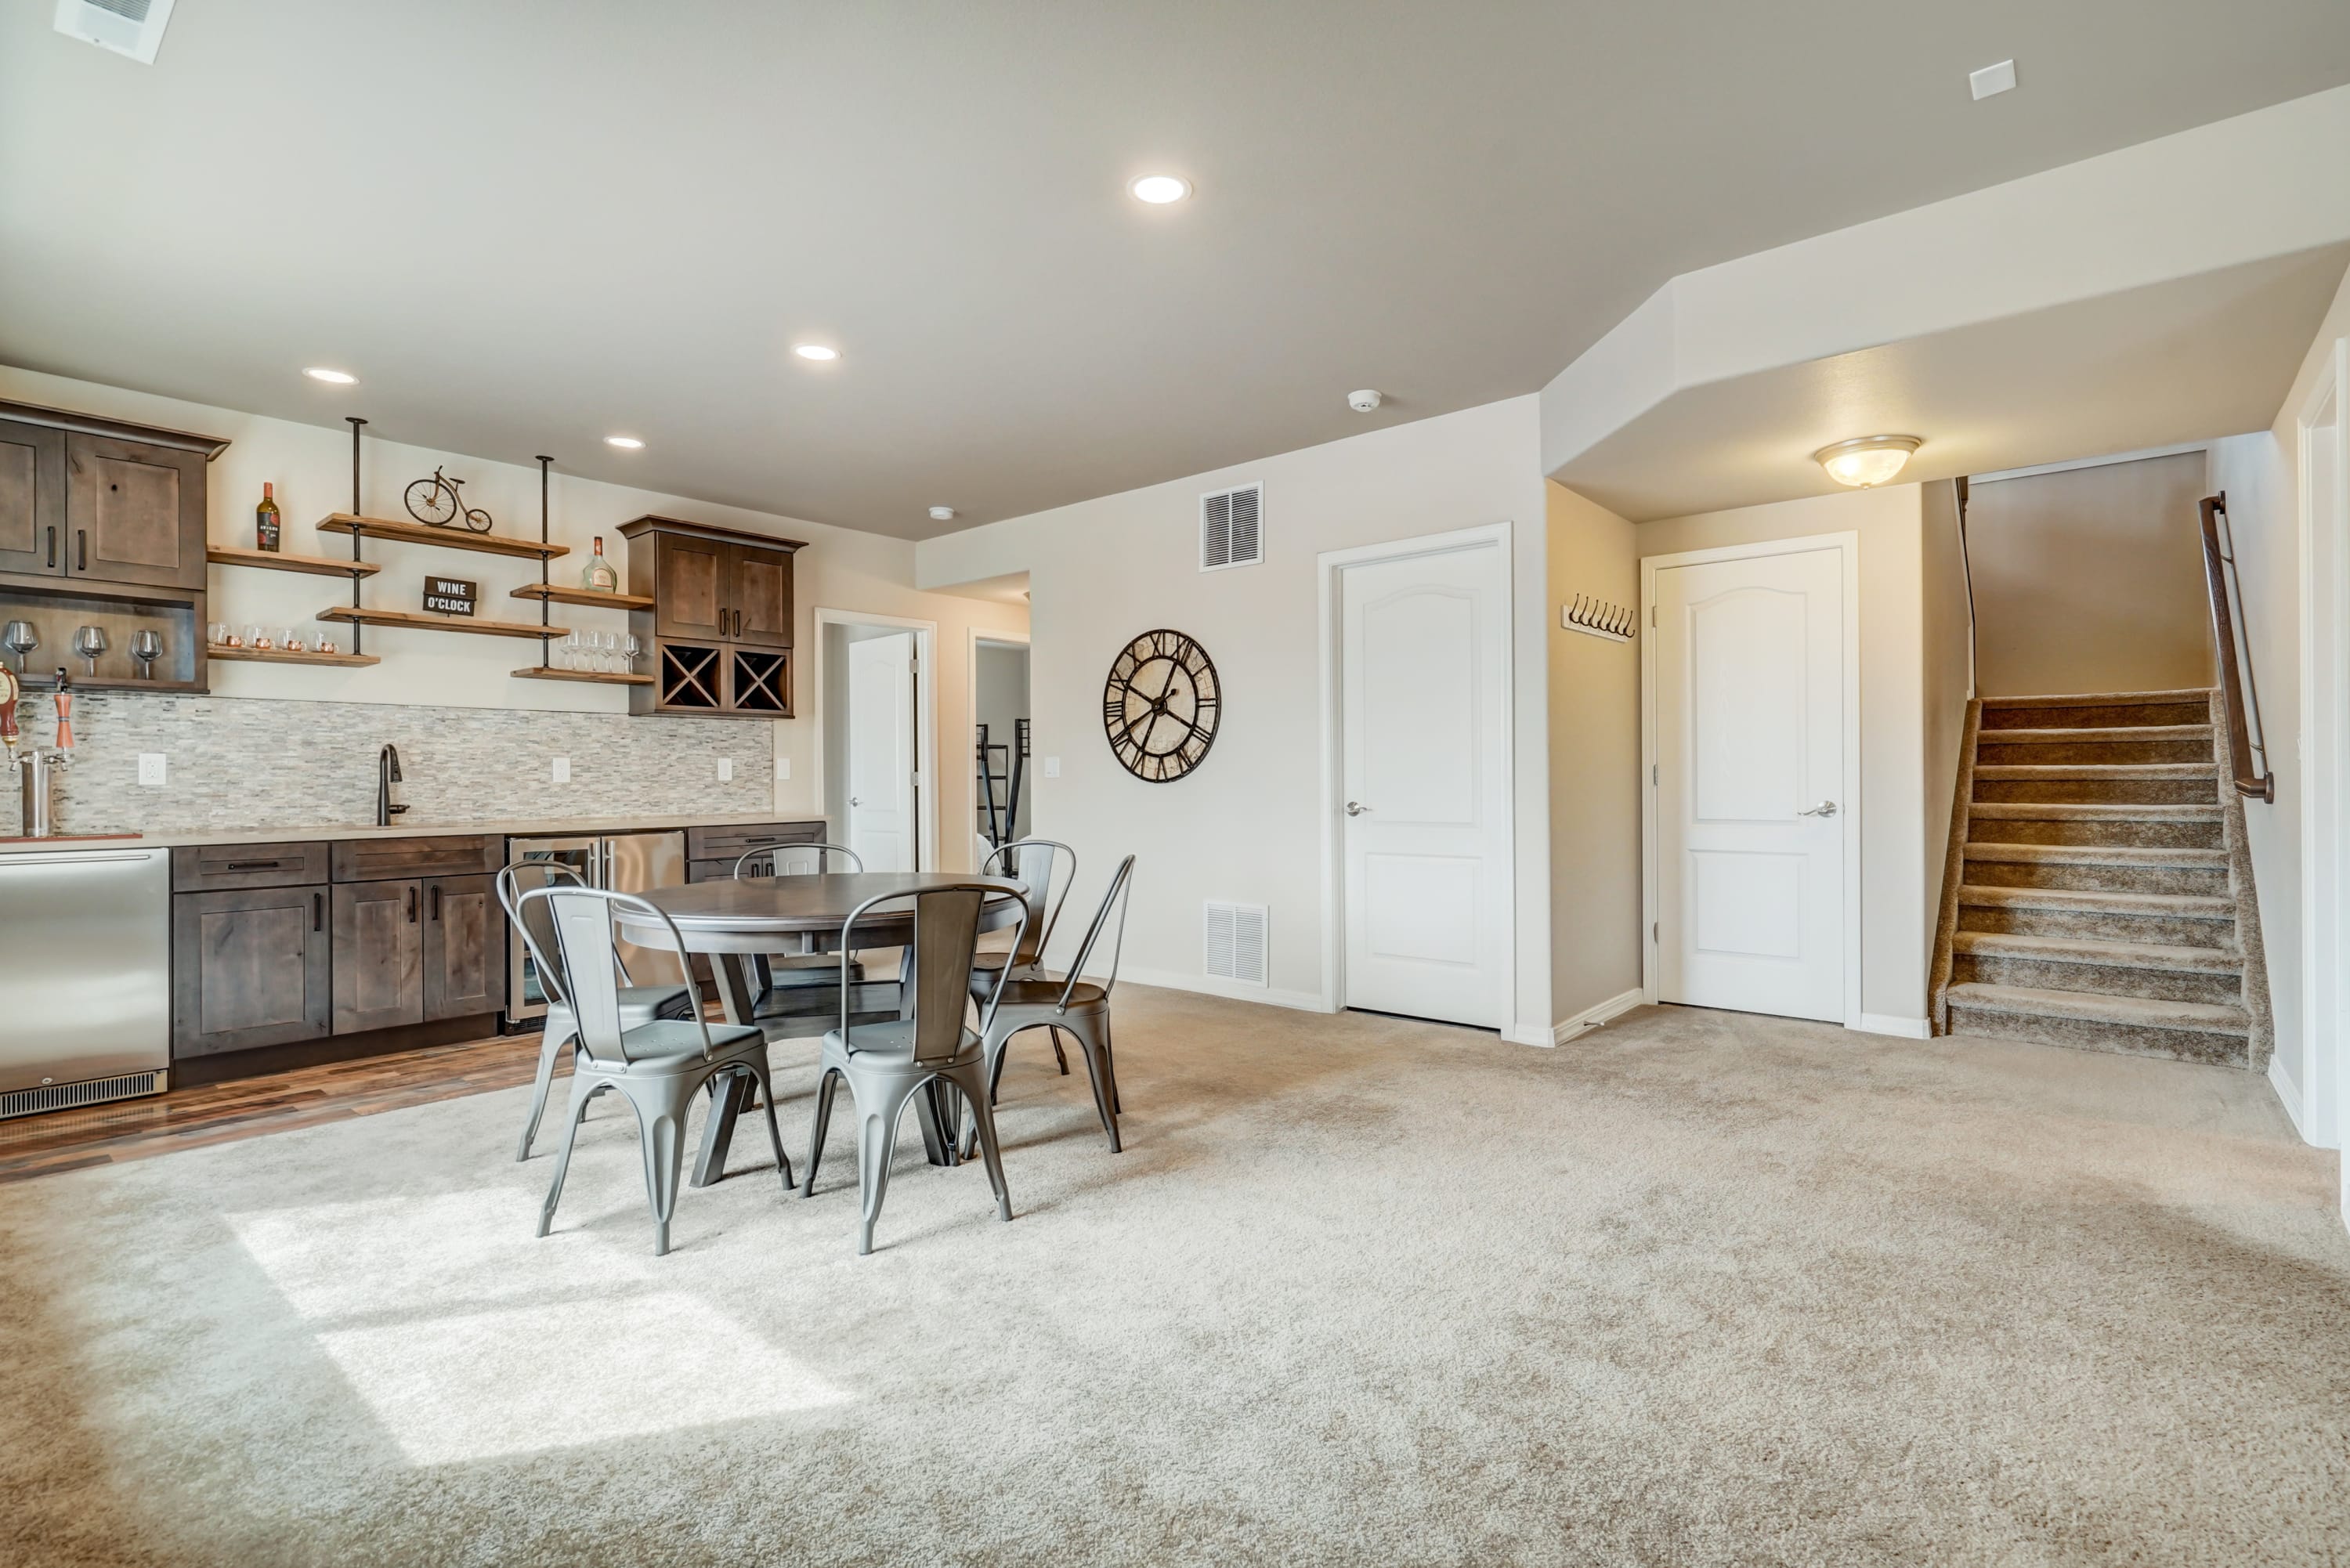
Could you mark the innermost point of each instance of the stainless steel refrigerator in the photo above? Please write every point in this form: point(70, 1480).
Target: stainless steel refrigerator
point(85, 976)
point(623, 862)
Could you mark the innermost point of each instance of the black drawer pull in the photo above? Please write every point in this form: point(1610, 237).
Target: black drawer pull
point(255, 865)
point(317, 911)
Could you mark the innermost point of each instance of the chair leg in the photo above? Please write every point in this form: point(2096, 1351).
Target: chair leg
point(1057, 1055)
point(824, 1088)
point(581, 1094)
point(549, 1046)
point(758, 1071)
point(661, 1134)
point(1109, 1057)
point(983, 1116)
point(878, 1108)
point(1089, 1031)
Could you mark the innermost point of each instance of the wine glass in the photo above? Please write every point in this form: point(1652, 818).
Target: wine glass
point(608, 650)
point(631, 651)
point(566, 652)
point(89, 641)
point(147, 647)
point(21, 639)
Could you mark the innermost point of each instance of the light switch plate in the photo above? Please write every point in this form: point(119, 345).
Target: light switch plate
point(562, 770)
point(1052, 767)
point(1991, 79)
point(725, 769)
point(155, 769)
point(783, 767)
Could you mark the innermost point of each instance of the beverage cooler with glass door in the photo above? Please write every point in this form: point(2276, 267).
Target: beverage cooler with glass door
point(623, 862)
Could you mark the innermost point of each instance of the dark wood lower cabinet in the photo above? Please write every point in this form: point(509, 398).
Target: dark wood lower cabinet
point(464, 947)
point(378, 955)
point(250, 969)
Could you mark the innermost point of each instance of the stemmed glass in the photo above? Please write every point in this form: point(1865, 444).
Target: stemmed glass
point(608, 650)
point(21, 639)
point(89, 641)
point(566, 652)
point(631, 650)
point(147, 647)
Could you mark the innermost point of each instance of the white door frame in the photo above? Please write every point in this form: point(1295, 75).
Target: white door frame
point(2324, 1045)
point(1847, 545)
point(1326, 568)
point(971, 703)
point(926, 720)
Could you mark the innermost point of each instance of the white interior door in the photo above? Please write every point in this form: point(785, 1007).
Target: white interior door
point(1749, 736)
point(881, 752)
point(1423, 654)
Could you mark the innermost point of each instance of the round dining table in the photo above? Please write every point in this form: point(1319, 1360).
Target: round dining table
point(734, 921)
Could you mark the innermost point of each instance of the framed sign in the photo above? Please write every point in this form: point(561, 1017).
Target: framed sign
point(448, 596)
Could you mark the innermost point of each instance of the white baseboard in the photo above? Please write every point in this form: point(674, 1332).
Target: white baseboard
point(1206, 986)
point(1893, 1023)
point(1597, 1014)
point(1523, 1034)
point(2289, 1097)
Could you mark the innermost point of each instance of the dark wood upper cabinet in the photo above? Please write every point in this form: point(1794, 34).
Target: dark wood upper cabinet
point(721, 626)
point(249, 968)
point(762, 594)
point(464, 947)
point(691, 600)
point(134, 513)
point(378, 955)
point(32, 496)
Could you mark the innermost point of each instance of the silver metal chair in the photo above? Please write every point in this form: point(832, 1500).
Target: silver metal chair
point(887, 1064)
point(1033, 863)
point(792, 971)
point(775, 856)
point(638, 1003)
point(1076, 1004)
point(657, 1066)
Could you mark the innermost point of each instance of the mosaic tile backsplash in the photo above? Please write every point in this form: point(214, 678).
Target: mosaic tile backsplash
point(236, 764)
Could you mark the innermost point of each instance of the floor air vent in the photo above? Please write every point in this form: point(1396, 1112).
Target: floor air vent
point(63, 1096)
point(1232, 528)
point(1236, 942)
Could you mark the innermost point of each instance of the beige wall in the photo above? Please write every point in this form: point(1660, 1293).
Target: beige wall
point(2091, 579)
point(1595, 762)
point(311, 467)
point(1897, 919)
point(1946, 643)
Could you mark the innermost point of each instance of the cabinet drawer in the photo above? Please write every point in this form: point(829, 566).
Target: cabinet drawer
point(224, 866)
point(393, 859)
point(728, 842)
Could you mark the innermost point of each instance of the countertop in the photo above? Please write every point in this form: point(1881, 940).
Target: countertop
point(521, 828)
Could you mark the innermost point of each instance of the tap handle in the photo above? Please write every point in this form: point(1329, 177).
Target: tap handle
point(65, 710)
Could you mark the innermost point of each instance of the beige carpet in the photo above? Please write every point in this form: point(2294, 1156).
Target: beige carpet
point(1697, 1289)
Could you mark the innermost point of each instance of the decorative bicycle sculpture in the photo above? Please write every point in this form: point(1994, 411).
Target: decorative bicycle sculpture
point(436, 504)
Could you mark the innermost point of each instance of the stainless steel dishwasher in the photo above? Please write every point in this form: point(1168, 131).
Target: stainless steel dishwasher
point(85, 977)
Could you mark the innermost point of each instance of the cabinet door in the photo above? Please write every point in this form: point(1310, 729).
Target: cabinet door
point(691, 592)
point(760, 593)
point(464, 947)
point(134, 513)
point(249, 968)
point(32, 498)
point(378, 955)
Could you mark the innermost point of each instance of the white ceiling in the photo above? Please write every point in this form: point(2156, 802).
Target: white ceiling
point(527, 224)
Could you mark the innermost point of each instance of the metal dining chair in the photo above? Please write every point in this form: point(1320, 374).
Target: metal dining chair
point(1033, 863)
point(886, 1064)
point(791, 971)
point(1076, 1004)
point(657, 1066)
point(638, 1003)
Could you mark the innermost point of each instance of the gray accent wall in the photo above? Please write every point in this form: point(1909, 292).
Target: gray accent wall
point(236, 762)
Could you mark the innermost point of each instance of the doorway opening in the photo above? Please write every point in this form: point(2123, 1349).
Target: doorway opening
point(876, 737)
point(1000, 731)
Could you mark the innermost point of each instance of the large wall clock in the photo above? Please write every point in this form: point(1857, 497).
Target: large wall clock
point(1161, 705)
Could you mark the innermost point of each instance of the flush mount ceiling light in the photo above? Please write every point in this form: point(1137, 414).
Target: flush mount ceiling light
point(1866, 460)
point(814, 352)
point(626, 443)
point(332, 378)
point(941, 514)
point(1160, 189)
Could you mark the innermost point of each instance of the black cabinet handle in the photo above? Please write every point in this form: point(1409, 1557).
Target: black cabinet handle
point(317, 911)
point(255, 865)
point(52, 547)
point(81, 549)
point(412, 904)
point(436, 903)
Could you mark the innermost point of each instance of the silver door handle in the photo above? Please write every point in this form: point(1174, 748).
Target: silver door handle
point(1355, 808)
point(1825, 808)
point(854, 801)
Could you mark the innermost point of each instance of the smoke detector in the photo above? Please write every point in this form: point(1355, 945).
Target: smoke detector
point(132, 27)
point(1365, 401)
point(941, 514)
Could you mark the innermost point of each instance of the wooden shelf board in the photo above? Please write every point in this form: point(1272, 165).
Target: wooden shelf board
point(255, 656)
point(595, 677)
point(416, 620)
point(447, 538)
point(274, 561)
point(554, 593)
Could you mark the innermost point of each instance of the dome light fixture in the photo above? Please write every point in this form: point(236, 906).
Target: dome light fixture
point(942, 514)
point(1866, 460)
point(818, 351)
point(626, 443)
point(332, 378)
point(1160, 189)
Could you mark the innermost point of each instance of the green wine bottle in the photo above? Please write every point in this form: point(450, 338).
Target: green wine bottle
point(265, 530)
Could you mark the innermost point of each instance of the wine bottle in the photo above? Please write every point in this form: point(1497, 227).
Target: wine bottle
point(600, 577)
point(265, 530)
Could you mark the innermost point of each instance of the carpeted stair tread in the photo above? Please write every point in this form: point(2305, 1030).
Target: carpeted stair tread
point(2100, 700)
point(2131, 1012)
point(2097, 950)
point(2194, 906)
point(2117, 733)
point(2093, 811)
point(2151, 859)
point(2098, 771)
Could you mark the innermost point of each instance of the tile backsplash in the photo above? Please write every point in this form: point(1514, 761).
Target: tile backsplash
point(232, 764)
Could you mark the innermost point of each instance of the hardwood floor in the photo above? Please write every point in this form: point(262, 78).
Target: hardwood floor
point(248, 1108)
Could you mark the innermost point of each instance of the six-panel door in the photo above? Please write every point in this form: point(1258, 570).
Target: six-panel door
point(378, 955)
point(134, 513)
point(250, 968)
point(464, 947)
point(32, 497)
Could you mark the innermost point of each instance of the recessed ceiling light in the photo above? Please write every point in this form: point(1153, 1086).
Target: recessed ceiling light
point(626, 443)
point(1865, 461)
point(1160, 189)
point(814, 352)
point(337, 377)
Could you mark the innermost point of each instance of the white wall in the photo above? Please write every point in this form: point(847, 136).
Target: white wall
point(310, 466)
point(1895, 914)
point(1251, 824)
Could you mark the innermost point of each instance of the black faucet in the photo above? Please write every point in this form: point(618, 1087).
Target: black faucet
point(387, 773)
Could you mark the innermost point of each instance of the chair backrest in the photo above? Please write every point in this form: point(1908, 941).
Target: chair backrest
point(582, 918)
point(1119, 881)
point(1033, 863)
point(794, 860)
point(946, 928)
point(536, 923)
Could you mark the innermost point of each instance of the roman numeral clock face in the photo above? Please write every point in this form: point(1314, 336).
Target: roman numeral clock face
point(1161, 705)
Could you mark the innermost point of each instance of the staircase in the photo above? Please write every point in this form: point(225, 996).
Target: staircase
point(2103, 895)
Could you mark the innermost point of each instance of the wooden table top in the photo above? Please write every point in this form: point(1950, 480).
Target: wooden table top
point(810, 905)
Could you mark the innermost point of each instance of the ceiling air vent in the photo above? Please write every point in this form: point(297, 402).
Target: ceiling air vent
point(1236, 942)
point(132, 27)
point(1232, 528)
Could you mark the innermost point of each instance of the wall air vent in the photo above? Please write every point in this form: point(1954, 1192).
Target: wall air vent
point(1235, 946)
point(132, 27)
point(1232, 528)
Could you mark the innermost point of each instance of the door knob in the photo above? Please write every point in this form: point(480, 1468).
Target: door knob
point(854, 801)
point(1825, 808)
point(1355, 808)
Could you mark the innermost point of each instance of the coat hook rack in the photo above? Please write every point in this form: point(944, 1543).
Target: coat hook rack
point(1597, 618)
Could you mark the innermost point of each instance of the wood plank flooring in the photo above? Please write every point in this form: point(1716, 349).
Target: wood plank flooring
point(248, 1108)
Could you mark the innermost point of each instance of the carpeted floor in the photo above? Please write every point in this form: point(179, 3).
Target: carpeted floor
point(1699, 1288)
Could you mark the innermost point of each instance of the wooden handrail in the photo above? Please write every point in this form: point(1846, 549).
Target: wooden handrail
point(2252, 785)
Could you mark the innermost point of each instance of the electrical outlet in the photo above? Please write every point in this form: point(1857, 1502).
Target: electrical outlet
point(783, 767)
point(725, 769)
point(155, 769)
point(561, 771)
point(1052, 767)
